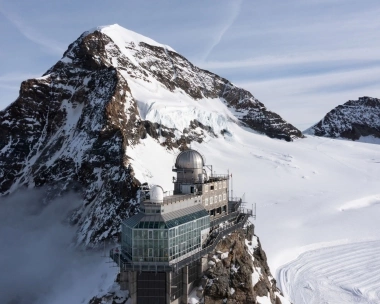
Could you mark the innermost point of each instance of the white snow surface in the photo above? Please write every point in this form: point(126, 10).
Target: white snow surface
point(337, 274)
point(121, 36)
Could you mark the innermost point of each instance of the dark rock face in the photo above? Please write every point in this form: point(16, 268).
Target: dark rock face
point(229, 279)
point(352, 120)
point(71, 128)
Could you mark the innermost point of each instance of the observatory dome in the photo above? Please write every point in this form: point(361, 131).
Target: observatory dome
point(189, 159)
point(156, 194)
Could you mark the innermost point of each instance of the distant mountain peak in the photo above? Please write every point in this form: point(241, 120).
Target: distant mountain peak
point(352, 120)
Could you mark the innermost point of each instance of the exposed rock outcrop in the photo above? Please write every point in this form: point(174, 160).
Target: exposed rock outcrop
point(239, 274)
point(352, 120)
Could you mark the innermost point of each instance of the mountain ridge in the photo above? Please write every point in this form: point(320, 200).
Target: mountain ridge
point(353, 120)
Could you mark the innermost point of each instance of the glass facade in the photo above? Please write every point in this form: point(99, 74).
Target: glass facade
point(163, 241)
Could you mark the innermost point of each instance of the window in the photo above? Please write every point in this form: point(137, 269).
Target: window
point(224, 196)
point(206, 201)
point(150, 252)
point(224, 184)
point(150, 233)
point(220, 185)
point(220, 197)
point(211, 200)
point(211, 187)
point(216, 199)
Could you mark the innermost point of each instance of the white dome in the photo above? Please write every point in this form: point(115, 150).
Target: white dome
point(189, 159)
point(156, 194)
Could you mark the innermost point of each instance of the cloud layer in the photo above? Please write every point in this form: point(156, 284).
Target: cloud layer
point(38, 265)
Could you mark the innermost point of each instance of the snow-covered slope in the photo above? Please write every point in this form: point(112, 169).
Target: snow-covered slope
point(355, 120)
point(335, 274)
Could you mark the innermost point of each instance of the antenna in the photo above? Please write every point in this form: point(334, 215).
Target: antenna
point(232, 186)
point(228, 174)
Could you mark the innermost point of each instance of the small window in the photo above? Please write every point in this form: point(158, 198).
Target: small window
point(216, 199)
point(150, 234)
point(220, 197)
point(224, 196)
point(220, 185)
point(211, 187)
point(206, 201)
point(224, 184)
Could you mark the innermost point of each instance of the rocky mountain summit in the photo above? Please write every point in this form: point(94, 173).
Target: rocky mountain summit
point(352, 120)
point(72, 128)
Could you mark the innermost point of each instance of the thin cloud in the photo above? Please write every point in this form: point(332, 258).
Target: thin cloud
point(359, 54)
point(31, 34)
point(226, 26)
point(18, 77)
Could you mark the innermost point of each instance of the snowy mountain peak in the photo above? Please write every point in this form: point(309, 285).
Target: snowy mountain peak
point(122, 36)
point(355, 120)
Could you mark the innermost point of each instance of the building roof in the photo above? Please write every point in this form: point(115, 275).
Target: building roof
point(189, 159)
point(166, 220)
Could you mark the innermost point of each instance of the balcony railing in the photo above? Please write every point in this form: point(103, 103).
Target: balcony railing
point(197, 180)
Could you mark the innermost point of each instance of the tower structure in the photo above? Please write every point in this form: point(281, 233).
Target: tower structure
point(162, 246)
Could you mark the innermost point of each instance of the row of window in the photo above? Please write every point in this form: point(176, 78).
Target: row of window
point(163, 244)
point(214, 199)
point(216, 185)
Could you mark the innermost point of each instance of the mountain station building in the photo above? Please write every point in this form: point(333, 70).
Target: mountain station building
point(162, 246)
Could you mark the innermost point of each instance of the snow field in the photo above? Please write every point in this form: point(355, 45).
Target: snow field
point(347, 273)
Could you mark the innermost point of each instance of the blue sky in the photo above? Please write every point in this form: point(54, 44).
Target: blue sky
point(300, 58)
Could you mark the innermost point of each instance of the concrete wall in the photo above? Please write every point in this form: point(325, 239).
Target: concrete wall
point(128, 281)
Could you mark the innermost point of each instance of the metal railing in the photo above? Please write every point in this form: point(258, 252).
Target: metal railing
point(221, 233)
point(173, 199)
point(217, 177)
point(170, 200)
point(197, 180)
